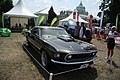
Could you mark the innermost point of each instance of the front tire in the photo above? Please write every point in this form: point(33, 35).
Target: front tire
point(45, 61)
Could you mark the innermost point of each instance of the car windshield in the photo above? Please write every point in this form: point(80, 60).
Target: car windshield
point(54, 32)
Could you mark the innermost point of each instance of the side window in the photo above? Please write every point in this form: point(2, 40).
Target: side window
point(35, 31)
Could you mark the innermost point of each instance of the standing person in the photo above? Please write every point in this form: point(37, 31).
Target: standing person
point(98, 34)
point(77, 29)
point(111, 42)
point(82, 31)
point(106, 33)
point(102, 33)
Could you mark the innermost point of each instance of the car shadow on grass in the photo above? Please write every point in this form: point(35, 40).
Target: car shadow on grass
point(84, 74)
point(113, 64)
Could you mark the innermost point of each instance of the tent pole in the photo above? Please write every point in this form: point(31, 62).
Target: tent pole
point(3, 19)
point(35, 21)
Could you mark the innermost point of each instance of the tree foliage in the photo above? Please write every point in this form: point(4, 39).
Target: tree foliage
point(8, 5)
point(114, 9)
point(5, 5)
point(51, 15)
point(111, 9)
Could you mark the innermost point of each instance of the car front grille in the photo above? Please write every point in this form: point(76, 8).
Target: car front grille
point(80, 57)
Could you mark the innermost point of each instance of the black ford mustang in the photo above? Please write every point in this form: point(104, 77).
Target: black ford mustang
point(55, 45)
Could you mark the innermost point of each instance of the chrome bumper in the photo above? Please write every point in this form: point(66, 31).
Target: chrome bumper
point(70, 63)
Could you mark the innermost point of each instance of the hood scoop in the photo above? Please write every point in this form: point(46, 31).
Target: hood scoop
point(67, 39)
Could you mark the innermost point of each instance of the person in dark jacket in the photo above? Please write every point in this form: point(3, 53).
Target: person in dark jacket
point(82, 31)
point(77, 29)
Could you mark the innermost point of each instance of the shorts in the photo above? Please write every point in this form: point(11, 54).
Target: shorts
point(110, 43)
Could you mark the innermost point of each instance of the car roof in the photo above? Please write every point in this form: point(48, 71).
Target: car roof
point(47, 27)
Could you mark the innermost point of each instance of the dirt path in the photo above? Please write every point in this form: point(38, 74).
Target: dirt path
point(103, 68)
point(15, 64)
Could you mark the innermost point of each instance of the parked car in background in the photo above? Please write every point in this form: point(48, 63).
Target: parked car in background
point(55, 45)
point(69, 26)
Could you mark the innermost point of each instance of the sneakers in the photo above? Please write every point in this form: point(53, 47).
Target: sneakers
point(108, 58)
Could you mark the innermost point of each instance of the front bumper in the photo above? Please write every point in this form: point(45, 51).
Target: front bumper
point(70, 63)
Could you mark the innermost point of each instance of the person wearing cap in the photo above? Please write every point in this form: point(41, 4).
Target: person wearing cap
point(111, 42)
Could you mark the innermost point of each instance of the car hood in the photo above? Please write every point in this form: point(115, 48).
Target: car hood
point(70, 45)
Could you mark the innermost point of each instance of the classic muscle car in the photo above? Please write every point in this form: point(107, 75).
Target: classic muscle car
point(55, 45)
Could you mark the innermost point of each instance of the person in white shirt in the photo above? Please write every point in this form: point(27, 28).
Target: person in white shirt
point(111, 42)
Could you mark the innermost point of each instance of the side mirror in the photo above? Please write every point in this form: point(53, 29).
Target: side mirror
point(70, 35)
point(28, 33)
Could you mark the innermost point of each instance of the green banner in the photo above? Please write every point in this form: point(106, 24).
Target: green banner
point(53, 21)
point(117, 22)
point(41, 18)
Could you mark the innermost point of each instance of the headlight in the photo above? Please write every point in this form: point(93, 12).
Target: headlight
point(57, 55)
point(68, 57)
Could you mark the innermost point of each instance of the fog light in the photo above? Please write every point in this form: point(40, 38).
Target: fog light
point(57, 55)
point(94, 54)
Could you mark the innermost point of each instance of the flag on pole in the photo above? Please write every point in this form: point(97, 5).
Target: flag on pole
point(90, 25)
point(117, 22)
point(77, 16)
point(101, 20)
point(40, 20)
point(74, 15)
point(53, 21)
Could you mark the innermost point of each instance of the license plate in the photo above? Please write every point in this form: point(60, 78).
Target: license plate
point(84, 66)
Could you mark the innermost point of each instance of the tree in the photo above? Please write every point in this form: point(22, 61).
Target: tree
point(114, 9)
point(5, 5)
point(104, 7)
point(51, 15)
point(111, 9)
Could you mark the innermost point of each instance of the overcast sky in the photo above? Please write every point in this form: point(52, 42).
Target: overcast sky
point(92, 6)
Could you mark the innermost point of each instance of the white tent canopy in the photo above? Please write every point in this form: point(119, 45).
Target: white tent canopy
point(20, 11)
point(71, 17)
point(45, 11)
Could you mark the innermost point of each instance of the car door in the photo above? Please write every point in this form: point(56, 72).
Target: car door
point(37, 38)
point(34, 37)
